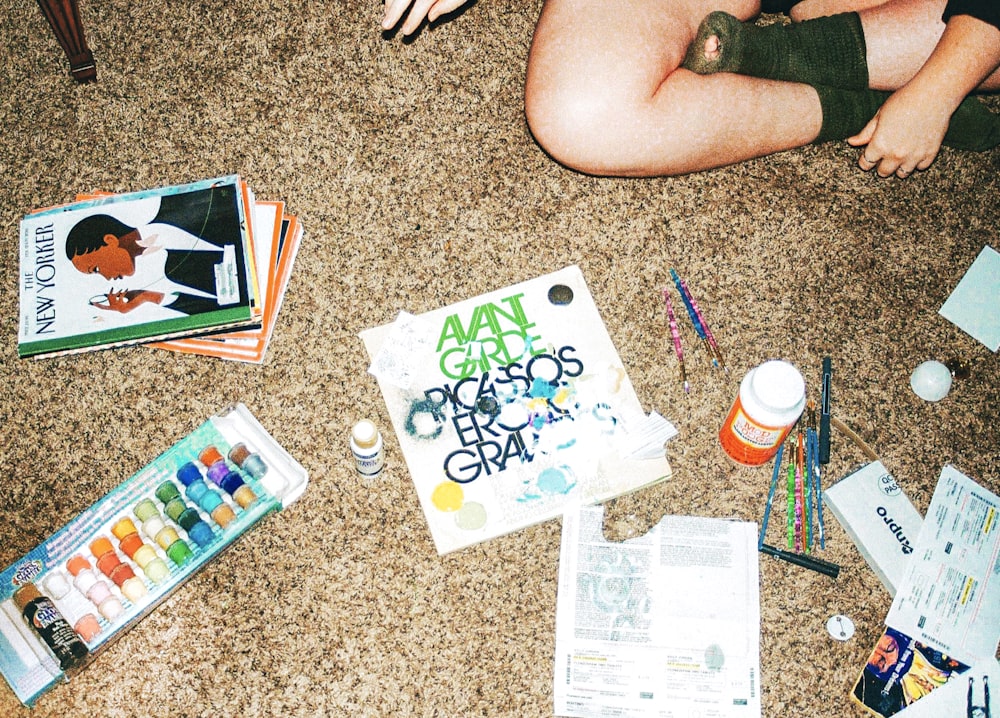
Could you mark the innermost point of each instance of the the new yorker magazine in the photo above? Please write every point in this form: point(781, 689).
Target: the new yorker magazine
point(129, 268)
point(511, 406)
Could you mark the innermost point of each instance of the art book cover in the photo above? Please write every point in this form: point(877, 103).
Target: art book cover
point(900, 671)
point(121, 269)
point(510, 406)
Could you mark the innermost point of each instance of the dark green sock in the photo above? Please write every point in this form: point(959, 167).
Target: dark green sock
point(825, 51)
point(973, 127)
point(846, 112)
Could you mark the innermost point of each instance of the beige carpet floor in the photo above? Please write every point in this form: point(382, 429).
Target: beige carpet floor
point(412, 169)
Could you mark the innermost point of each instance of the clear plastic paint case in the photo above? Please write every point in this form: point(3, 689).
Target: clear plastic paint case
point(114, 563)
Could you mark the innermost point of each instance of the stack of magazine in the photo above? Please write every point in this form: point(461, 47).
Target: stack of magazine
point(199, 268)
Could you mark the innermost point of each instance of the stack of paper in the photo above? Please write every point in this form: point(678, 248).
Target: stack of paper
point(664, 624)
point(198, 268)
point(943, 628)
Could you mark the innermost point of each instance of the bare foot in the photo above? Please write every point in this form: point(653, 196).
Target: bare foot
point(715, 47)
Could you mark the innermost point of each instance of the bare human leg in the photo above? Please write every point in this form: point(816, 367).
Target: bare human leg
point(900, 35)
point(819, 8)
point(604, 93)
point(831, 52)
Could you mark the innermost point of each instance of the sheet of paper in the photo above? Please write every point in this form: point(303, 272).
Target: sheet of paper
point(950, 595)
point(974, 306)
point(663, 625)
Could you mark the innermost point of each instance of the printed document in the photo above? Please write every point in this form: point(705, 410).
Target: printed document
point(950, 595)
point(664, 625)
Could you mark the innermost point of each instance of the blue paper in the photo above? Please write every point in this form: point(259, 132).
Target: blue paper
point(974, 306)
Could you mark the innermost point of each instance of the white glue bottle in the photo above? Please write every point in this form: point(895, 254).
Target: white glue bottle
point(771, 399)
point(366, 445)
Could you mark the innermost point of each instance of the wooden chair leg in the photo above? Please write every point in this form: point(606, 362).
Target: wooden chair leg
point(64, 17)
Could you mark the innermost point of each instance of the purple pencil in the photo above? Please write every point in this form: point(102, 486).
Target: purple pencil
point(676, 336)
point(704, 324)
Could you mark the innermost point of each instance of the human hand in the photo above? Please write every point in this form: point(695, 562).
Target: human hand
point(418, 10)
point(903, 136)
point(124, 301)
point(114, 301)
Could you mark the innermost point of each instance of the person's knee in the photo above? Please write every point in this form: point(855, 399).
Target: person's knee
point(584, 131)
point(566, 125)
point(606, 133)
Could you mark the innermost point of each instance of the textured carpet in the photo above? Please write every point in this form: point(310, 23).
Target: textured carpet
point(412, 169)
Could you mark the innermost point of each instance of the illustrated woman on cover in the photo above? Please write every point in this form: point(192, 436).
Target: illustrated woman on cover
point(188, 258)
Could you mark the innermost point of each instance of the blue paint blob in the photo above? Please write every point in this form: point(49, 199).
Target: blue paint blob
point(188, 473)
point(209, 501)
point(543, 388)
point(196, 490)
point(425, 420)
point(553, 481)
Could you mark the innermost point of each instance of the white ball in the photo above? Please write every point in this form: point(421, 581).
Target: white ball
point(931, 381)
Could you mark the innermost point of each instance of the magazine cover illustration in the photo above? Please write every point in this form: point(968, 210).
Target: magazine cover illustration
point(901, 671)
point(129, 268)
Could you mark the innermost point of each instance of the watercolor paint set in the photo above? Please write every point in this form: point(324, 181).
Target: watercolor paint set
point(105, 570)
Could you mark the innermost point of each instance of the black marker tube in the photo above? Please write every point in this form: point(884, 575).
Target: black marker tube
point(824, 412)
point(54, 630)
point(815, 564)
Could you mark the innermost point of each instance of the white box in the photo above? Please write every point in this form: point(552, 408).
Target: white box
point(879, 518)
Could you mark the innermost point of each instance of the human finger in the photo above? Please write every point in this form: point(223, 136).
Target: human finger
point(443, 7)
point(866, 134)
point(394, 10)
point(865, 163)
point(416, 16)
point(887, 167)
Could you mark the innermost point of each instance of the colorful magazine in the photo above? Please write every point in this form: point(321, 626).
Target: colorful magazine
point(276, 258)
point(900, 671)
point(275, 238)
point(122, 269)
point(510, 406)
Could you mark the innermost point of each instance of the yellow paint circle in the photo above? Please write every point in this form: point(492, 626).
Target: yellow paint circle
point(448, 496)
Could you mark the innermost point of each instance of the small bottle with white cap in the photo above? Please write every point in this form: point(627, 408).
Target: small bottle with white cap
point(366, 445)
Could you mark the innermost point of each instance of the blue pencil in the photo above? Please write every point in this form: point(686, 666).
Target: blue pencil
point(770, 496)
point(699, 328)
point(818, 490)
point(699, 320)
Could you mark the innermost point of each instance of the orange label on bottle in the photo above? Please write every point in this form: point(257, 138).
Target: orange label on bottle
point(747, 441)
